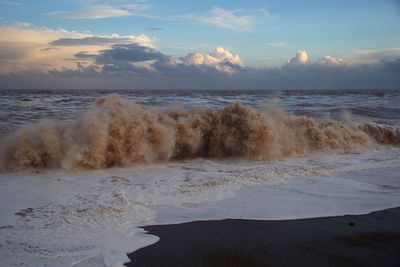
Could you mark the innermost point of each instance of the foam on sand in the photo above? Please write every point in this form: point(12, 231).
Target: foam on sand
point(91, 218)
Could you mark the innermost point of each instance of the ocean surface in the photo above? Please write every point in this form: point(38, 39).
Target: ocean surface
point(82, 170)
point(20, 106)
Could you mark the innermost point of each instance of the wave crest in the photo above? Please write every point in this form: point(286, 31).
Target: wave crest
point(116, 132)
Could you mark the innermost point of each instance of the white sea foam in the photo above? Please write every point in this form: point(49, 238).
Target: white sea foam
point(92, 218)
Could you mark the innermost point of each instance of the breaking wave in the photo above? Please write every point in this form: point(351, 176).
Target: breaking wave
point(116, 132)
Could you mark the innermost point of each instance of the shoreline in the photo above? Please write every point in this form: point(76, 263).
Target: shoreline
point(351, 240)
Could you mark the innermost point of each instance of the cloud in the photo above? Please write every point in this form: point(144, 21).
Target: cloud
point(392, 65)
point(41, 49)
point(21, 24)
point(10, 3)
point(79, 71)
point(126, 58)
point(129, 53)
point(48, 49)
point(95, 12)
point(21, 48)
point(105, 40)
point(300, 58)
point(278, 44)
point(102, 10)
point(219, 55)
point(330, 60)
point(135, 57)
point(376, 55)
point(239, 19)
point(58, 58)
point(218, 61)
point(172, 73)
point(154, 29)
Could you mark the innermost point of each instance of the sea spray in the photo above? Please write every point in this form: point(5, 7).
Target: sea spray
point(116, 132)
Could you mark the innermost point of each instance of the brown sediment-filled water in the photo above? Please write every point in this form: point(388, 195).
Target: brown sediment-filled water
point(117, 132)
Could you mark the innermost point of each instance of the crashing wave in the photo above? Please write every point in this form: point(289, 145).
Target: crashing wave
point(116, 132)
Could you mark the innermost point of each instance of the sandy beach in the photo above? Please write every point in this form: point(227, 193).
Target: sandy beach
point(351, 240)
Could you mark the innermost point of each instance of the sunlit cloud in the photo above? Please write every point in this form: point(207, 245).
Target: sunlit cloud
point(95, 12)
point(99, 10)
point(41, 49)
point(330, 60)
point(300, 58)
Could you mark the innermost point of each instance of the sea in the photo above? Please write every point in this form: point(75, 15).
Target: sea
point(22, 106)
point(82, 170)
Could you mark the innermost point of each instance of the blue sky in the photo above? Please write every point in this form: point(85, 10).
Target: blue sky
point(264, 34)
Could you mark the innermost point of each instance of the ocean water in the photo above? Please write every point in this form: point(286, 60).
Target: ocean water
point(20, 106)
point(81, 171)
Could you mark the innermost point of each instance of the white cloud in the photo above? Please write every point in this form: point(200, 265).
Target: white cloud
point(300, 58)
point(10, 3)
point(21, 24)
point(224, 55)
point(94, 12)
point(220, 58)
point(330, 60)
point(104, 9)
point(239, 19)
point(278, 44)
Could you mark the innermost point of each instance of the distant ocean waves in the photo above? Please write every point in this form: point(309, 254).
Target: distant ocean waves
point(117, 132)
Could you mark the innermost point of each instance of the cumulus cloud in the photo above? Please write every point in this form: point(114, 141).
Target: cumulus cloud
point(239, 19)
point(300, 58)
point(219, 55)
point(330, 60)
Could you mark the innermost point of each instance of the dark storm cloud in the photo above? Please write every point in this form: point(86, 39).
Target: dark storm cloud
point(85, 55)
point(128, 53)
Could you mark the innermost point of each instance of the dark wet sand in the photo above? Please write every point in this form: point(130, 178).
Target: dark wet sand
point(363, 240)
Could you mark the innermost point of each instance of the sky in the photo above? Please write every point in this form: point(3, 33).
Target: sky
point(225, 44)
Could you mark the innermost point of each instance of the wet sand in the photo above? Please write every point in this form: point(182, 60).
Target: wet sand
point(356, 240)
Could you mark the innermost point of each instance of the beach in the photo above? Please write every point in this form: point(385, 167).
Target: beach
point(78, 186)
point(351, 240)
